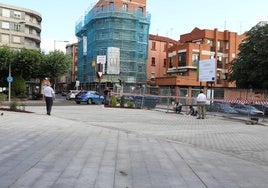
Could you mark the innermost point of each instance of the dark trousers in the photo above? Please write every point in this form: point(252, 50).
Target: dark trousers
point(49, 103)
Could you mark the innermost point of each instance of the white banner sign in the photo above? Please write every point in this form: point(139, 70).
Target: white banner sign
point(113, 60)
point(84, 45)
point(101, 59)
point(207, 70)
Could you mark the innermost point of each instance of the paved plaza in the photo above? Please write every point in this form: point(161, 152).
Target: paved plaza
point(90, 146)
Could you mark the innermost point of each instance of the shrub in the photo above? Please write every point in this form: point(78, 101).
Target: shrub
point(13, 105)
point(122, 101)
point(113, 101)
point(18, 85)
point(130, 104)
point(3, 97)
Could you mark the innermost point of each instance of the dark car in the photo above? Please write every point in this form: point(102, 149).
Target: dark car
point(247, 110)
point(261, 107)
point(90, 97)
point(221, 107)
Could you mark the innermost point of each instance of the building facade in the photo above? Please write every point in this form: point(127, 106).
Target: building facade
point(67, 81)
point(20, 27)
point(182, 78)
point(157, 57)
point(113, 42)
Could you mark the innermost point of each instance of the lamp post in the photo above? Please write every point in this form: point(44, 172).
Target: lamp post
point(55, 41)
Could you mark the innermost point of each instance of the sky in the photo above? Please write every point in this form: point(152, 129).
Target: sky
point(170, 18)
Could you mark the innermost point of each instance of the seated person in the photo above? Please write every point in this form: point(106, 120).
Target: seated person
point(177, 108)
point(192, 111)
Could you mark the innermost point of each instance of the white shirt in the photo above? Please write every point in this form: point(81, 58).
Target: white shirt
point(201, 97)
point(48, 91)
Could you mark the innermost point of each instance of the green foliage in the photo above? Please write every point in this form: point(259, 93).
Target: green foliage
point(113, 101)
point(130, 104)
point(32, 64)
point(18, 86)
point(27, 63)
point(250, 68)
point(6, 57)
point(3, 97)
point(122, 101)
point(55, 64)
point(13, 105)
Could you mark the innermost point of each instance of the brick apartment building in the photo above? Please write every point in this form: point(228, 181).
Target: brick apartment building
point(157, 57)
point(181, 67)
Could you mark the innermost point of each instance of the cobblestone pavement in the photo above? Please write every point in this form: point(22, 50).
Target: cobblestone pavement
point(92, 146)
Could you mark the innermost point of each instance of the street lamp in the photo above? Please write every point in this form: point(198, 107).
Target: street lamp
point(55, 41)
point(10, 79)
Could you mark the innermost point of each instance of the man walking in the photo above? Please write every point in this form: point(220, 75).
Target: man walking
point(48, 96)
point(201, 103)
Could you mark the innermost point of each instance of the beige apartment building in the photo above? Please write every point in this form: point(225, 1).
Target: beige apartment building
point(20, 27)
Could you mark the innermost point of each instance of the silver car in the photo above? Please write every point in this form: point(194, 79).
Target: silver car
point(71, 94)
point(247, 110)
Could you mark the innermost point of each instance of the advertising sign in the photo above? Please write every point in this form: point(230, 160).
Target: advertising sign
point(113, 60)
point(207, 70)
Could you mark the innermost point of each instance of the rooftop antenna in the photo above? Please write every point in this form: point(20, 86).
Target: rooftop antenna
point(240, 28)
point(171, 29)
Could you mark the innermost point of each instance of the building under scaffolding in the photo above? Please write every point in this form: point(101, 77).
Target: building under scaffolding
point(105, 28)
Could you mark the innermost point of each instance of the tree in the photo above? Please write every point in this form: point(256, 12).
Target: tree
point(6, 58)
point(250, 68)
point(55, 64)
point(27, 63)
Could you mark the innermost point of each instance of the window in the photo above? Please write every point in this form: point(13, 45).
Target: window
point(195, 58)
point(153, 45)
point(125, 7)
point(6, 13)
point(111, 6)
point(165, 63)
point(219, 62)
point(140, 10)
point(182, 59)
point(17, 27)
point(5, 38)
point(211, 42)
point(165, 47)
point(170, 62)
point(17, 14)
point(16, 39)
point(153, 61)
point(219, 46)
point(152, 75)
point(227, 45)
point(5, 25)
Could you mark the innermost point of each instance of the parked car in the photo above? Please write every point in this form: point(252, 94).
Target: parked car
point(90, 97)
point(222, 107)
point(71, 94)
point(263, 108)
point(247, 110)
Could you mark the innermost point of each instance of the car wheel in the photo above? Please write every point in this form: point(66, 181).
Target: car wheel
point(89, 101)
point(77, 102)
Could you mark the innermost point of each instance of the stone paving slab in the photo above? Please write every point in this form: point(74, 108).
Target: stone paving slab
point(91, 146)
